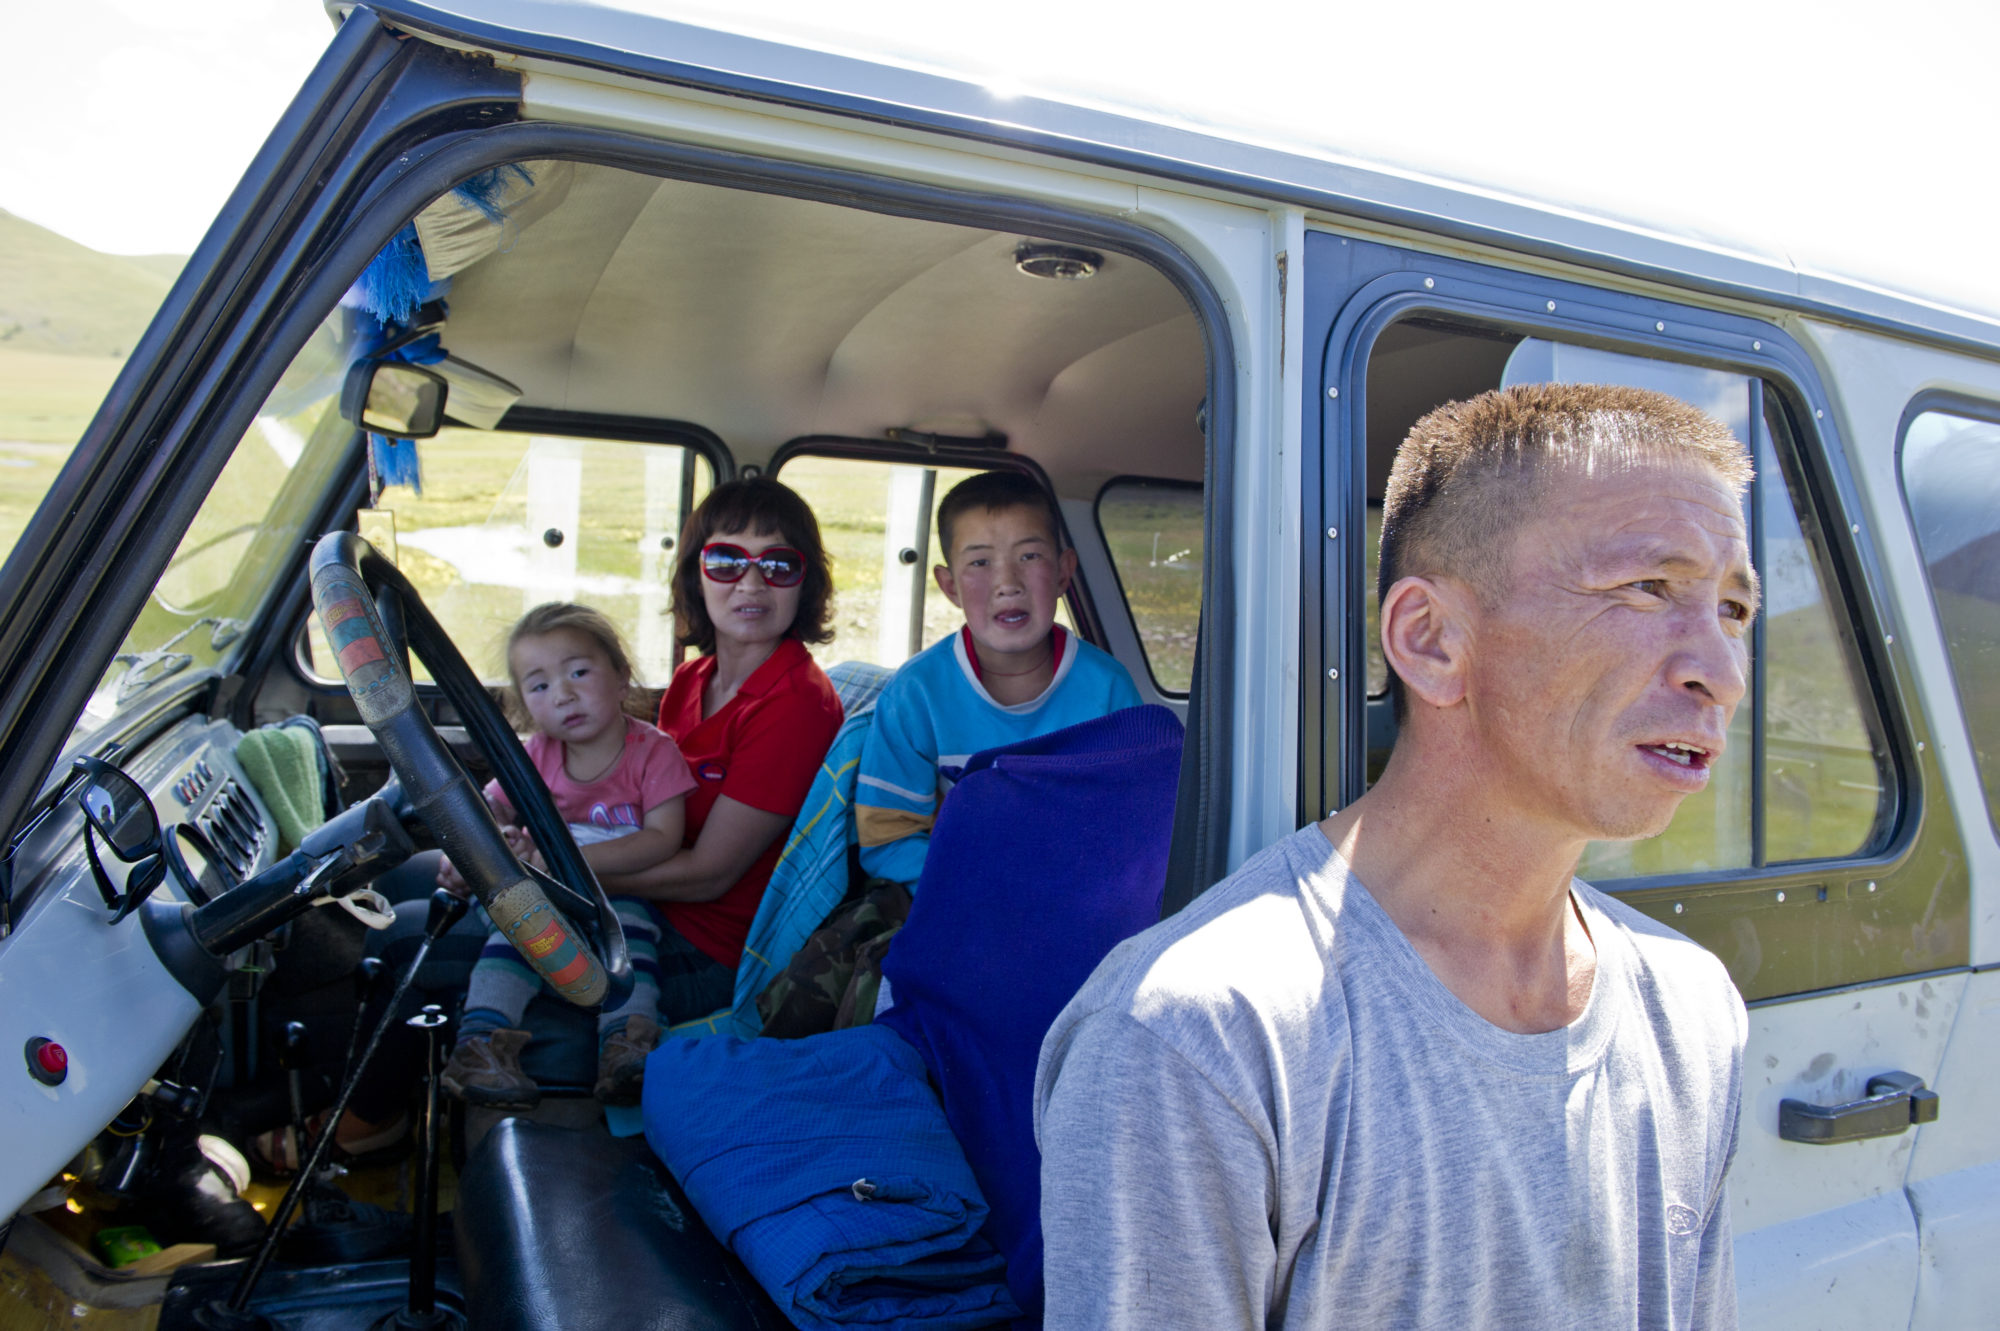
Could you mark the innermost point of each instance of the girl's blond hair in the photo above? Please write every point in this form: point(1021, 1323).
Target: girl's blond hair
point(592, 623)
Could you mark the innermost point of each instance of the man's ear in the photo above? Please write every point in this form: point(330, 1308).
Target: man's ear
point(946, 583)
point(1066, 565)
point(1426, 638)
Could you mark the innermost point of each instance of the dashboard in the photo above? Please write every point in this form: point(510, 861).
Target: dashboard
point(70, 976)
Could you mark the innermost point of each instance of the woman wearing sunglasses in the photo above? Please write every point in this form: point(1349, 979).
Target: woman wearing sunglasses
point(753, 715)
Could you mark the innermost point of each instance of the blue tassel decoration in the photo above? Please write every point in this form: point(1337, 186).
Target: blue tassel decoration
point(396, 461)
point(482, 191)
point(396, 282)
point(388, 294)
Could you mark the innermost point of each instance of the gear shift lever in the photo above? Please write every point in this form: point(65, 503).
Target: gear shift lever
point(292, 1057)
point(421, 1312)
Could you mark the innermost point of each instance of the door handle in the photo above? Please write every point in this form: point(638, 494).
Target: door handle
point(1895, 1100)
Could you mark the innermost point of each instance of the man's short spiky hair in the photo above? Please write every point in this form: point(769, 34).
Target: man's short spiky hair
point(1470, 473)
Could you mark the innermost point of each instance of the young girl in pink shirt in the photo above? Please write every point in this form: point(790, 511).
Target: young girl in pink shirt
point(621, 785)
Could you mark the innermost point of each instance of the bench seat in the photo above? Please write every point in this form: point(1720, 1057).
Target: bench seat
point(559, 1228)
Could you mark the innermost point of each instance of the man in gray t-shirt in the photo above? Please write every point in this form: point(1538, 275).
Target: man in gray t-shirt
point(1402, 1069)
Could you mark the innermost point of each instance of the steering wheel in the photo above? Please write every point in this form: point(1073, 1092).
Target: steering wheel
point(359, 596)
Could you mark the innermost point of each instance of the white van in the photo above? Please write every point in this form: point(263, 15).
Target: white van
point(656, 257)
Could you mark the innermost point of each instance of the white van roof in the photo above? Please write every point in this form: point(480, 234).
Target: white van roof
point(1710, 243)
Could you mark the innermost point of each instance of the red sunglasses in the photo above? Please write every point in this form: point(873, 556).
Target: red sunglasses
point(778, 565)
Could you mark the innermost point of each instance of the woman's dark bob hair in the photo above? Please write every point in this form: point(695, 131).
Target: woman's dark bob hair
point(755, 504)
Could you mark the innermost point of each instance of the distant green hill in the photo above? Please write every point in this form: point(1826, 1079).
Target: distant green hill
point(59, 296)
point(165, 265)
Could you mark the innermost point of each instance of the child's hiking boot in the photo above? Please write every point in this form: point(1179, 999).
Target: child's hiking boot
point(621, 1064)
point(485, 1069)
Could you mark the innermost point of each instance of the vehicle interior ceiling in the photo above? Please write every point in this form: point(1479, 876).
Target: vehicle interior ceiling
point(766, 318)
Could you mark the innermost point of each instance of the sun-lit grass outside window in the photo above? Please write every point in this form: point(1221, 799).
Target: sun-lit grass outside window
point(1154, 533)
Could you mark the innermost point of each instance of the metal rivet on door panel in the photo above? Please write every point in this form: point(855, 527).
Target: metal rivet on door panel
point(1333, 674)
point(1333, 533)
point(1756, 346)
point(1679, 909)
point(1333, 392)
point(553, 537)
point(1920, 746)
point(1889, 639)
point(1855, 528)
point(1871, 887)
point(666, 542)
point(1781, 894)
point(1819, 413)
point(1429, 282)
point(1659, 327)
point(1552, 307)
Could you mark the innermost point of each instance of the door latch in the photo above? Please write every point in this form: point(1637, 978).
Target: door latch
point(1895, 1100)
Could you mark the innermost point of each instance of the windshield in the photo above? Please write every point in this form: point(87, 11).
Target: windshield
point(227, 563)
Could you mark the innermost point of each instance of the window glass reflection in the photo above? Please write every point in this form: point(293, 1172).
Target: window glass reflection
point(1822, 782)
point(1951, 476)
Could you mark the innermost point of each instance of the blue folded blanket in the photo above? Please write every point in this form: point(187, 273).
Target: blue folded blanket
point(827, 1166)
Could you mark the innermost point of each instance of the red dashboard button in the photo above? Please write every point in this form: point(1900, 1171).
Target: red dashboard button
point(48, 1062)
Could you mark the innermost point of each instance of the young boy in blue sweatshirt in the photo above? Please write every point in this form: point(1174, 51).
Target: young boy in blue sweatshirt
point(1010, 674)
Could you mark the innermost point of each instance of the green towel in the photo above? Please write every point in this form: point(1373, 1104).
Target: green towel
point(283, 763)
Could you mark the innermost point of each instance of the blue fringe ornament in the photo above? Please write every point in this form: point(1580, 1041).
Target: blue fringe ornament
point(396, 282)
point(394, 462)
point(392, 289)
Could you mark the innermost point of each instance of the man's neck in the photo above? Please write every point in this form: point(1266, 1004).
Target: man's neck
point(1481, 894)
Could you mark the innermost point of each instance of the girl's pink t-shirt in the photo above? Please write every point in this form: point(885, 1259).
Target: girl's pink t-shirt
point(650, 772)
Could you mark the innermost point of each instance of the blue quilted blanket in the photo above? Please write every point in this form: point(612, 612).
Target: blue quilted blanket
point(827, 1166)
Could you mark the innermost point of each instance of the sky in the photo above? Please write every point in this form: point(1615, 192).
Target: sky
point(1839, 136)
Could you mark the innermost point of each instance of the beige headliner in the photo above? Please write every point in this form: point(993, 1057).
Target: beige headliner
point(765, 318)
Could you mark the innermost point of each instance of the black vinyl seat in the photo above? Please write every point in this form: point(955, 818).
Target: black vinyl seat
point(560, 1230)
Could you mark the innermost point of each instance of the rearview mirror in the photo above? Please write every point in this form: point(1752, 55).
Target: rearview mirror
point(395, 399)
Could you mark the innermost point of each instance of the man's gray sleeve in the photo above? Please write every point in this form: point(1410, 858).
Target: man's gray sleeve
point(1155, 1188)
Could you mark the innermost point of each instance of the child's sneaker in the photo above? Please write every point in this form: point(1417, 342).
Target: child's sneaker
point(485, 1069)
point(621, 1064)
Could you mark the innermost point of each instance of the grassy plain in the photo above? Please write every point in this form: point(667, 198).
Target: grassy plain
point(46, 400)
point(68, 317)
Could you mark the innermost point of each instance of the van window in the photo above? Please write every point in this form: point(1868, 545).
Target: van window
point(505, 521)
point(1803, 775)
point(221, 574)
point(1153, 530)
point(1951, 478)
point(879, 522)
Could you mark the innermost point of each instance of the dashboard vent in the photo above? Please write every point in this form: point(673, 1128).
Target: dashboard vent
point(235, 827)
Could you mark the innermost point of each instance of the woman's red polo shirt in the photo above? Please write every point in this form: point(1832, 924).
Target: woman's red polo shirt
point(763, 749)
